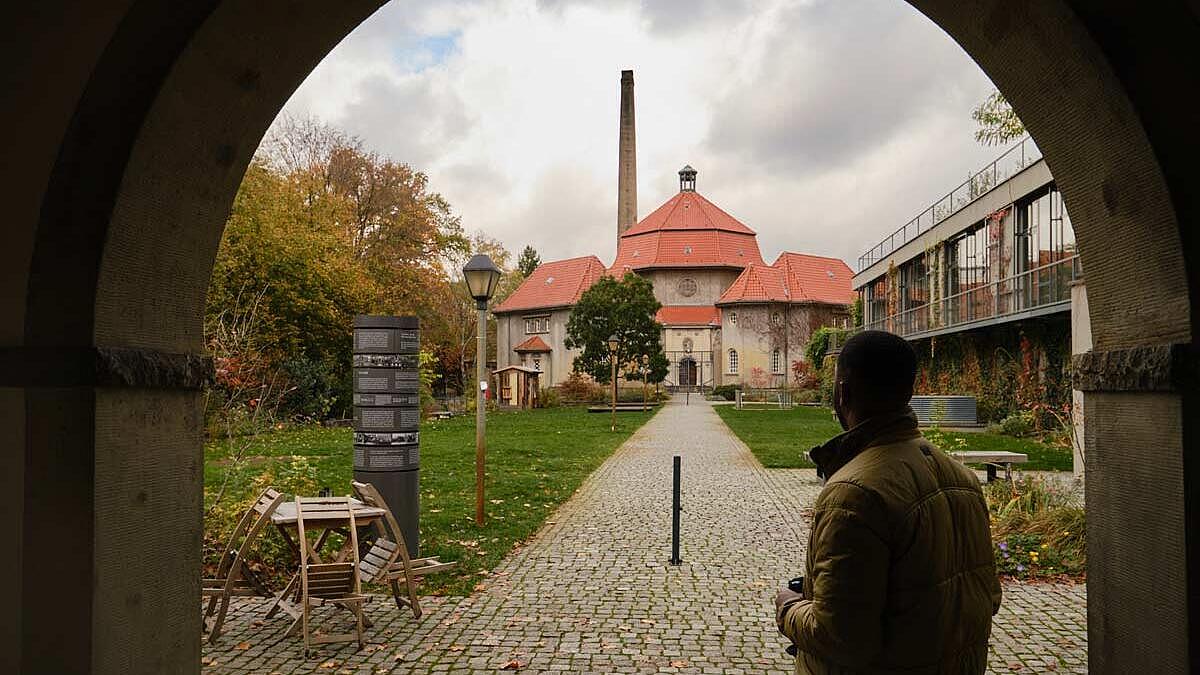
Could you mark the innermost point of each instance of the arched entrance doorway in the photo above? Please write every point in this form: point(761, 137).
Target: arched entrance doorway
point(134, 121)
point(687, 372)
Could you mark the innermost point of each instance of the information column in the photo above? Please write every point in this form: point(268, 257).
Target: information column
point(387, 414)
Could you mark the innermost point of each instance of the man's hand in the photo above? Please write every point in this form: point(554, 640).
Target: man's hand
point(783, 598)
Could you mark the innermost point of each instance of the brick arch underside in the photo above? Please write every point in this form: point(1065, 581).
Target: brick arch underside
point(142, 119)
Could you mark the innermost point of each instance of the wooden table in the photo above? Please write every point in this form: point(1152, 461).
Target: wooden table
point(328, 522)
point(991, 460)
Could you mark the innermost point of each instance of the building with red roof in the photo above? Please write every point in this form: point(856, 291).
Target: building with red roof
point(727, 316)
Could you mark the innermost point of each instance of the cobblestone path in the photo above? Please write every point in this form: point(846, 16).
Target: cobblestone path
point(593, 592)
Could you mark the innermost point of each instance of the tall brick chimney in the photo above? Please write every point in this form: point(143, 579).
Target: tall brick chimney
point(626, 159)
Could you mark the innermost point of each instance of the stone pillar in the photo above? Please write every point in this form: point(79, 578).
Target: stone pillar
point(104, 505)
point(1142, 403)
point(1081, 343)
point(626, 159)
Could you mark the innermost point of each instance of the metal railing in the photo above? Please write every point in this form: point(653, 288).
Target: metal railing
point(773, 398)
point(1039, 287)
point(1004, 167)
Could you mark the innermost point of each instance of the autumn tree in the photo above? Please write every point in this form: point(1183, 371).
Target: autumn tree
point(529, 261)
point(322, 229)
point(998, 122)
point(624, 308)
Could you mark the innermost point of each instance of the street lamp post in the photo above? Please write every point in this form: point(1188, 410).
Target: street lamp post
point(645, 376)
point(613, 343)
point(482, 276)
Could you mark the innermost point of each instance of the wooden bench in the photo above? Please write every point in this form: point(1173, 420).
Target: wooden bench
point(441, 414)
point(991, 460)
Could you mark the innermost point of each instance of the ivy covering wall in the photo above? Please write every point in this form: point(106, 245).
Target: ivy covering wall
point(1008, 368)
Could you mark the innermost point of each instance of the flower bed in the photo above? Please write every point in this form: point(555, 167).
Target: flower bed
point(1037, 529)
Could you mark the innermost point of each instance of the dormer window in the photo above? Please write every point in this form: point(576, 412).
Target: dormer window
point(549, 280)
point(687, 250)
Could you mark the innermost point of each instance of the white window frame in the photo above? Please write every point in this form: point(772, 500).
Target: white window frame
point(732, 361)
point(777, 362)
point(537, 325)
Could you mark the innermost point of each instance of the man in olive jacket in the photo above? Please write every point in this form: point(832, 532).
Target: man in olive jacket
point(899, 572)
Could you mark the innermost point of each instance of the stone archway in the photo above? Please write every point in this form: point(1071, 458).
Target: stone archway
point(136, 119)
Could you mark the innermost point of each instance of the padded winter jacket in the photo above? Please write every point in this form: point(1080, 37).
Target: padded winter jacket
point(900, 576)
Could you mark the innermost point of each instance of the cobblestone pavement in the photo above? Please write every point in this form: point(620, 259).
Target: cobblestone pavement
point(592, 591)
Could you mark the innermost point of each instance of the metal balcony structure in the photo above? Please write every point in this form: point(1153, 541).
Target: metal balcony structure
point(980, 183)
point(1035, 292)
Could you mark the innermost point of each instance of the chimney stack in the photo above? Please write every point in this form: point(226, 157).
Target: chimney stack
point(626, 159)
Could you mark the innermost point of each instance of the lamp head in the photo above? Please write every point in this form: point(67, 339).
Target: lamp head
point(613, 342)
point(482, 277)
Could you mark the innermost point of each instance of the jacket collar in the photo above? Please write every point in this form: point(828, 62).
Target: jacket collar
point(878, 430)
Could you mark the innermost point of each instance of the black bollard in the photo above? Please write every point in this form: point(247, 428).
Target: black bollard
point(675, 508)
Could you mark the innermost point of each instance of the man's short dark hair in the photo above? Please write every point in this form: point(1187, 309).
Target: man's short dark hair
point(882, 367)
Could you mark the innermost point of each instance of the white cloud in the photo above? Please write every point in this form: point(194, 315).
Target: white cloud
point(822, 124)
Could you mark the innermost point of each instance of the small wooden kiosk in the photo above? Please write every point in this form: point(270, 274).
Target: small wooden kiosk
point(517, 386)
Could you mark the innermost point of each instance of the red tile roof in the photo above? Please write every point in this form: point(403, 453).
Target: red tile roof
point(688, 210)
point(687, 231)
point(554, 284)
point(816, 278)
point(758, 283)
point(794, 277)
point(680, 315)
point(533, 344)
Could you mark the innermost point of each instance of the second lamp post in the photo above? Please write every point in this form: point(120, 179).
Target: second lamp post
point(613, 343)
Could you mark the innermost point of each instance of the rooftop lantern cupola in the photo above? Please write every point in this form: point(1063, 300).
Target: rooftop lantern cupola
point(687, 179)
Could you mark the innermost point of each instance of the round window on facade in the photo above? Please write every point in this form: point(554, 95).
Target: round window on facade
point(687, 287)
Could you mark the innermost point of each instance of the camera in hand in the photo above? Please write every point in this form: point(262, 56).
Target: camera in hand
point(795, 585)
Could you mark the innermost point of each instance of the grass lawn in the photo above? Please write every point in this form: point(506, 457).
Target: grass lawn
point(1042, 456)
point(782, 438)
point(536, 460)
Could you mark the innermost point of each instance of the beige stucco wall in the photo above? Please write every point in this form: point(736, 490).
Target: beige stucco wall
point(510, 332)
point(710, 284)
point(754, 338)
point(706, 342)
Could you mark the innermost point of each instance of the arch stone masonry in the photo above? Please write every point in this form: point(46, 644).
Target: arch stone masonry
point(131, 123)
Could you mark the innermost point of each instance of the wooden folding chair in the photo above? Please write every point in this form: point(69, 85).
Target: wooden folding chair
point(233, 576)
point(334, 582)
point(388, 560)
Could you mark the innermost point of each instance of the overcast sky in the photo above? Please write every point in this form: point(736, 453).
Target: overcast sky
point(822, 124)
